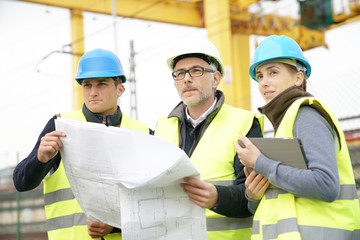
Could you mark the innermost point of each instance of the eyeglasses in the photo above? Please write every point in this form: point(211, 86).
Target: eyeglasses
point(193, 72)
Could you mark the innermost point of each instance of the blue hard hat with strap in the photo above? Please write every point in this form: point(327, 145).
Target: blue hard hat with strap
point(99, 63)
point(278, 47)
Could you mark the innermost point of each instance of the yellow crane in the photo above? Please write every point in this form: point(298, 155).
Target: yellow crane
point(229, 24)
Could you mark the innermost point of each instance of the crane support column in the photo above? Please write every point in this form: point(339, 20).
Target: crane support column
point(234, 51)
point(77, 46)
point(241, 64)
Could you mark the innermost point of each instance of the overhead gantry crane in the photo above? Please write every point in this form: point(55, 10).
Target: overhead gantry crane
point(229, 24)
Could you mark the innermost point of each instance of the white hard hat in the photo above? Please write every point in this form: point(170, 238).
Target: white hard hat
point(201, 48)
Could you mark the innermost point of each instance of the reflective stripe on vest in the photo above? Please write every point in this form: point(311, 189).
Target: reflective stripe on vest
point(57, 196)
point(227, 223)
point(271, 231)
point(214, 158)
point(281, 215)
point(347, 192)
point(66, 221)
point(222, 183)
point(63, 213)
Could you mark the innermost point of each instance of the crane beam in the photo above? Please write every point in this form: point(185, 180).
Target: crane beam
point(185, 13)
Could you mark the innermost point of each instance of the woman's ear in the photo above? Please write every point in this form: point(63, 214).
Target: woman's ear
point(300, 78)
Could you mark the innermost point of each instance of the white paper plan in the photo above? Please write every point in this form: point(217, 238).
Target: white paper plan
point(130, 180)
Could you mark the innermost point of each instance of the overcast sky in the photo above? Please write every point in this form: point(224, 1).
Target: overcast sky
point(34, 89)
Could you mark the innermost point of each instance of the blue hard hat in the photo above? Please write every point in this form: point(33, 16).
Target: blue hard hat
point(99, 63)
point(274, 47)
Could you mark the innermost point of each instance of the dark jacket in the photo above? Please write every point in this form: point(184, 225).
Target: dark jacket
point(231, 199)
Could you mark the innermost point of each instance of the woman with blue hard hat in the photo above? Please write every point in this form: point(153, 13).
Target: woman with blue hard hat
point(101, 76)
point(316, 203)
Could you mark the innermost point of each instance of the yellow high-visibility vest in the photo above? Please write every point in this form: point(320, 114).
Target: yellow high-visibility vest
point(65, 219)
point(214, 158)
point(281, 215)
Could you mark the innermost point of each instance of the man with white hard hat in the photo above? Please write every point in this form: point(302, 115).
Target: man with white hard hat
point(206, 129)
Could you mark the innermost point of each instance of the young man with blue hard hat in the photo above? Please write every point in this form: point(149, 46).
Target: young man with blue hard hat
point(101, 76)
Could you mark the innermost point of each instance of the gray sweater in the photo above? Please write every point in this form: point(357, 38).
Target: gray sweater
point(320, 142)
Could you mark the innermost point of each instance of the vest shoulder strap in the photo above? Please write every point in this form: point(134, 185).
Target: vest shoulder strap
point(75, 115)
point(130, 123)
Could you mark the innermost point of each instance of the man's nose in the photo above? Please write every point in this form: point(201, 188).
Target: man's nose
point(93, 91)
point(187, 77)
